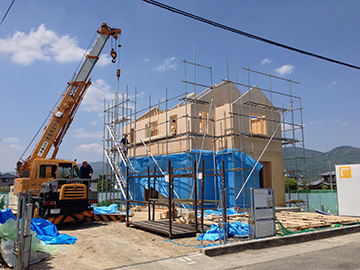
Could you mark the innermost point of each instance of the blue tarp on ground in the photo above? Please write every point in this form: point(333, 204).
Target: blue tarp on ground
point(183, 187)
point(47, 232)
point(44, 229)
point(103, 210)
point(236, 228)
point(5, 214)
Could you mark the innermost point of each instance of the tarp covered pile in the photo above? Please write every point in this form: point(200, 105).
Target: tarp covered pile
point(235, 229)
point(43, 232)
point(43, 229)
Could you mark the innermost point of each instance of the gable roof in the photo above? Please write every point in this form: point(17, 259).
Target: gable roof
point(223, 93)
point(7, 176)
point(154, 111)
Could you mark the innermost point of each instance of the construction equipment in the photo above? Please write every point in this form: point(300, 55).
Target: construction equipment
point(55, 185)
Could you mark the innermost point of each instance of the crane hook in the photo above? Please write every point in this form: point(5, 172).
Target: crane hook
point(113, 54)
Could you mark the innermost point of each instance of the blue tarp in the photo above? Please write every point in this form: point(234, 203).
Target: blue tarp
point(5, 214)
point(236, 228)
point(229, 212)
point(47, 232)
point(44, 229)
point(183, 188)
point(111, 209)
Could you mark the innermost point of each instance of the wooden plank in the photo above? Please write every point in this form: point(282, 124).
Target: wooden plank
point(162, 227)
point(306, 220)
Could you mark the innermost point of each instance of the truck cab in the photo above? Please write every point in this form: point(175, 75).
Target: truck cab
point(56, 188)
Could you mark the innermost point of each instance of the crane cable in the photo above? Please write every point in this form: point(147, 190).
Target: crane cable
point(7, 12)
point(228, 28)
point(58, 100)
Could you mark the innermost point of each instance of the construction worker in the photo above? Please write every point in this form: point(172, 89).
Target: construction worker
point(124, 145)
point(86, 171)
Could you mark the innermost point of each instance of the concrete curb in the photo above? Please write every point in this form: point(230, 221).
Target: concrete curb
point(279, 240)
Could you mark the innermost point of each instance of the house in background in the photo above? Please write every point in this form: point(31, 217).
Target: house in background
point(7, 179)
point(220, 118)
point(327, 179)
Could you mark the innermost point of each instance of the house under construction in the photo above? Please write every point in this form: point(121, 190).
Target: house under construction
point(218, 124)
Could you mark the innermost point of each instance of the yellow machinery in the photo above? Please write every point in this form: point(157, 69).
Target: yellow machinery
point(55, 185)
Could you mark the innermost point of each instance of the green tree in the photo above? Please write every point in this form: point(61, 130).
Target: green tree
point(325, 187)
point(103, 183)
point(290, 184)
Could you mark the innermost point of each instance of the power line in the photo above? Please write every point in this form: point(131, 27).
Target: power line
point(228, 28)
point(7, 12)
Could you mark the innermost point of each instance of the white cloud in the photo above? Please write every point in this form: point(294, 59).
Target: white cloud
point(285, 69)
point(41, 45)
point(10, 152)
point(81, 133)
point(94, 98)
point(318, 122)
point(94, 123)
point(91, 149)
point(333, 83)
point(341, 123)
point(167, 64)
point(16, 147)
point(146, 60)
point(11, 140)
point(11, 143)
point(104, 60)
point(266, 61)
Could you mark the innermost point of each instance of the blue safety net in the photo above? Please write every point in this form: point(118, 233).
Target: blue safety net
point(237, 168)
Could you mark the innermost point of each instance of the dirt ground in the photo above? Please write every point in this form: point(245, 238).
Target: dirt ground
point(103, 245)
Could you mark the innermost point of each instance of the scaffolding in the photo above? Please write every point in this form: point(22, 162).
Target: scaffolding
point(264, 121)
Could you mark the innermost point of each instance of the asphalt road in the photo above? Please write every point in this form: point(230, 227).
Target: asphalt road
point(341, 252)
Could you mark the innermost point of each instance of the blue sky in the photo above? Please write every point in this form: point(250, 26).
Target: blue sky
point(42, 42)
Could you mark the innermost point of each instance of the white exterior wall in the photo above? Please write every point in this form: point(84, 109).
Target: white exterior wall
point(348, 189)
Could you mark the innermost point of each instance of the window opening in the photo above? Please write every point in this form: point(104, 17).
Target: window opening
point(151, 129)
point(76, 173)
point(64, 170)
point(173, 124)
point(258, 124)
point(47, 171)
point(202, 121)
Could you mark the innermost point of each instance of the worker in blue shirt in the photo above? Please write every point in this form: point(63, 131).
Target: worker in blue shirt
point(86, 171)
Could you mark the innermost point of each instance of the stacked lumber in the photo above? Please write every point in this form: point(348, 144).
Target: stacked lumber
point(294, 221)
point(189, 218)
point(165, 213)
point(298, 221)
point(186, 218)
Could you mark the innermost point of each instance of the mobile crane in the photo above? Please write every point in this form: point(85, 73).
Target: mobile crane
point(55, 185)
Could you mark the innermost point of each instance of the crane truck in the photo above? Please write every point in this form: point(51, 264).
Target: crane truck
point(55, 186)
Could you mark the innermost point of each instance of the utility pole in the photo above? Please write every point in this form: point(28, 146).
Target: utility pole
point(330, 174)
